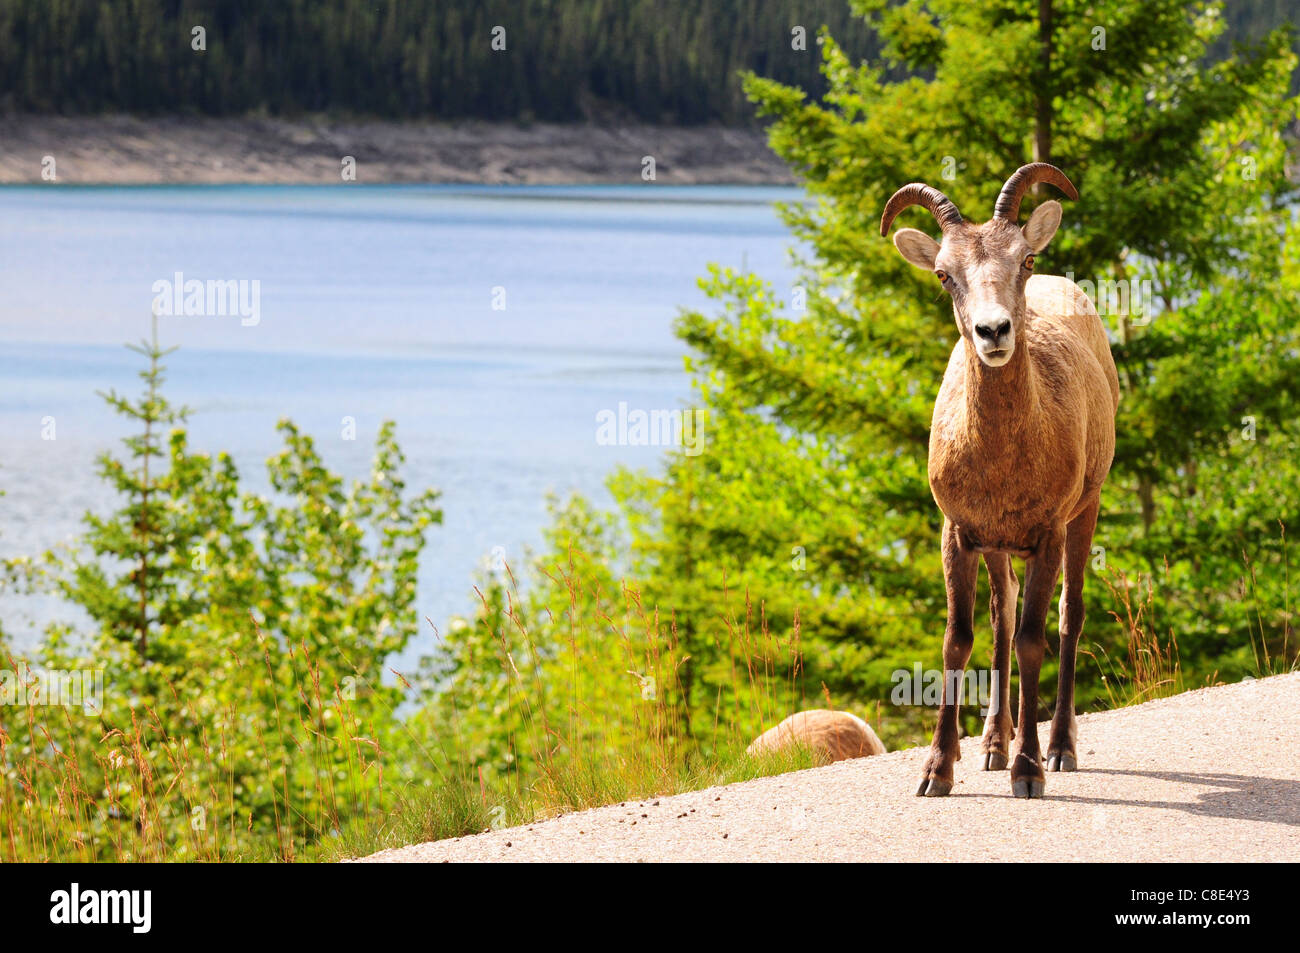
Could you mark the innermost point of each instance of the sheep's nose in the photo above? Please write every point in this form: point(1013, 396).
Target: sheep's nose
point(992, 333)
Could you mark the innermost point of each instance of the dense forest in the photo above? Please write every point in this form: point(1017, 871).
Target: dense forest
point(659, 61)
point(563, 60)
point(1250, 20)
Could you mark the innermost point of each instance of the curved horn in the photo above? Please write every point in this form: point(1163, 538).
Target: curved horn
point(918, 193)
point(1008, 204)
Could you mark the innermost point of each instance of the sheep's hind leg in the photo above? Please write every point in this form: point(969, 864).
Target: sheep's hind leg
point(1061, 752)
point(960, 572)
point(1041, 572)
point(1004, 589)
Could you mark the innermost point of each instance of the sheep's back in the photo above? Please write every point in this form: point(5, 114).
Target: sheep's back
point(1060, 303)
point(831, 735)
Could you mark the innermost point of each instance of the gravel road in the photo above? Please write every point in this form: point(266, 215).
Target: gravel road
point(1211, 775)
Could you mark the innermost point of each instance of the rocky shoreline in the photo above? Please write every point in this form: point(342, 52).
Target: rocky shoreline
point(126, 150)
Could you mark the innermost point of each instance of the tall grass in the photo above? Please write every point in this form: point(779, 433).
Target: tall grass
point(597, 717)
point(1150, 666)
point(603, 720)
point(128, 786)
point(1284, 657)
point(594, 710)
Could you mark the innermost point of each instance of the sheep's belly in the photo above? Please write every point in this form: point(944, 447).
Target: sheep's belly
point(996, 542)
point(997, 528)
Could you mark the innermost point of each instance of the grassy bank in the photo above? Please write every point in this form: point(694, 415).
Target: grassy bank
point(80, 788)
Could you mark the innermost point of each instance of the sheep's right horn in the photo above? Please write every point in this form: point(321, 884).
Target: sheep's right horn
point(930, 198)
point(1008, 204)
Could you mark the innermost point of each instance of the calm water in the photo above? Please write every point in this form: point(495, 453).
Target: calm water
point(373, 303)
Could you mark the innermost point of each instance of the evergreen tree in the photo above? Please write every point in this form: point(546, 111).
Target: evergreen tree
point(241, 641)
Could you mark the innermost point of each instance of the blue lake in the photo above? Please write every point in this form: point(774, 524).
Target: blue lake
point(492, 324)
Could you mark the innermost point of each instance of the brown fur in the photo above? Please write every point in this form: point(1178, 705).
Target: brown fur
point(1018, 454)
point(832, 735)
point(1055, 398)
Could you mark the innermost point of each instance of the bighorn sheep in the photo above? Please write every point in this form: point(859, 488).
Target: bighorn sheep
point(1021, 441)
point(830, 735)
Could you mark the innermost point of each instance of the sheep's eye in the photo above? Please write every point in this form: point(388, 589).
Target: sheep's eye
point(1029, 263)
point(942, 276)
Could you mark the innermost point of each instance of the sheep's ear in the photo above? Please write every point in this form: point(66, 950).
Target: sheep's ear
point(917, 247)
point(1042, 225)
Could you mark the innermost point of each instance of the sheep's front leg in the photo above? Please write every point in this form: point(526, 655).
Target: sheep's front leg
point(1041, 572)
point(960, 571)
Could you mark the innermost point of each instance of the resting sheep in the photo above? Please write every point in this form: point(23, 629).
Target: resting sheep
point(1021, 441)
point(830, 735)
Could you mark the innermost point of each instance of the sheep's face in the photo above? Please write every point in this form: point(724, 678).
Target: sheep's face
point(984, 269)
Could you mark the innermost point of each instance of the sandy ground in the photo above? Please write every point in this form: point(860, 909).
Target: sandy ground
point(120, 150)
point(1211, 775)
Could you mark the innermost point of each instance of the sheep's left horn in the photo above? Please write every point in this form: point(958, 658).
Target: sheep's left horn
point(1008, 205)
point(918, 193)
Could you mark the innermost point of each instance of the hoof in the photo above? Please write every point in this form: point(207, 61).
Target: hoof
point(1027, 787)
point(934, 787)
point(1063, 761)
point(995, 761)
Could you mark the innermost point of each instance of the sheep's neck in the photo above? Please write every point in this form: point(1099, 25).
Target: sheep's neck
point(1002, 403)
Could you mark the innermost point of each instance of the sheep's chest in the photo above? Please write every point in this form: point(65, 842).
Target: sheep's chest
point(996, 495)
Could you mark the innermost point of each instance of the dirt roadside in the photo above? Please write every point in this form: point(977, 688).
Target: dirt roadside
point(1210, 775)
